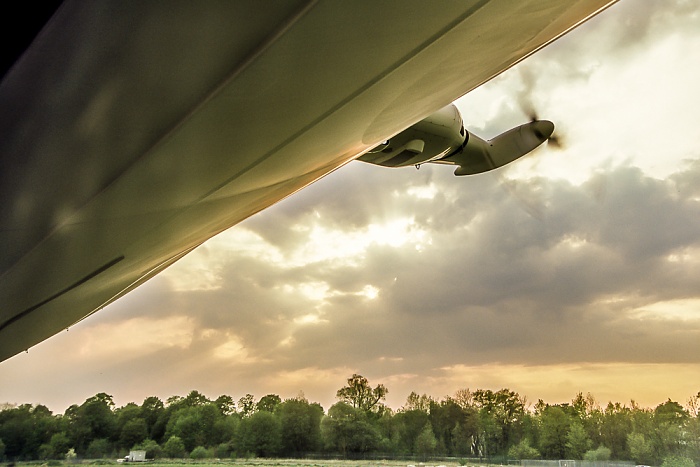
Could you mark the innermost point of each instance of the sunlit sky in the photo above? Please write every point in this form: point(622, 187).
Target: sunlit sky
point(573, 269)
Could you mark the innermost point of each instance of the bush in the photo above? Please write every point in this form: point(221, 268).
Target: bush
point(200, 452)
point(678, 461)
point(224, 450)
point(174, 448)
point(523, 450)
point(600, 454)
point(98, 449)
point(153, 449)
point(71, 456)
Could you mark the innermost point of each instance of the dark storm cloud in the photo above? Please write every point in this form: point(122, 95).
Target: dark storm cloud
point(494, 283)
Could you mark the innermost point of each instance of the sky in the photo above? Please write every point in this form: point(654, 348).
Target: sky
point(571, 270)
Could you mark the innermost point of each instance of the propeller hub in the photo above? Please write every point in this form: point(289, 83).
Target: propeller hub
point(543, 129)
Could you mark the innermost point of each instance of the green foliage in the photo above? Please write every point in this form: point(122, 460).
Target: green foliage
point(174, 448)
point(226, 405)
point(94, 419)
point(445, 417)
point(641, 449)
point(678, 461)
point(616, 423)
point(359, 394)
point(24, 429)
point(426, 443)
point(260, 434)
point(223, 450)
point(71, 456)
point(416, 402)
point(470, 424)
point(411, 425)
point(347, 429)
point(195, 425)
point(500, 417)
point(153, 449)
point(555, 425)
point(577, 441)
point(268, 403)
point(98, 449)
point(523, 450)
point(133, 432)
point(200, 452)
point(600, 454)
point(59, 445)
point(195, 399)
point(246, 405)
point(300, 425)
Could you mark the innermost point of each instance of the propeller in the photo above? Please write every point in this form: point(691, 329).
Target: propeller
point(554, 141)
point(524, 100)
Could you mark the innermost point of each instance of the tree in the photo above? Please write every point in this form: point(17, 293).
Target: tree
point(554, 432)
point(246, 405)
point(25, 429)
point(268, 403)
point(616, 423)
point(416, 402)
point(133, 432)
point(464, 398)
point(641, 450)
point(187, 426)
point(300, 424)
point(346, 429)
point(577, 441)
point(226, 405)
point(260, 434)
point(94, 419)
point(670, 433)
point(174, 448)
point(500, 418)
point(523, 450)
point(671, 412)
point(411, 425)
point(444, 417)
point(98, 449)
point(195, 399)
point(463, 437)
point(59, 445)
point(224, 429)
point(151, 408)
point(693, 405)
point(426, 443)
point(359, 394)
point(599, 454)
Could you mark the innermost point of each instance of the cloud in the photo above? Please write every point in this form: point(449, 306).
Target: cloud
point(493, 284)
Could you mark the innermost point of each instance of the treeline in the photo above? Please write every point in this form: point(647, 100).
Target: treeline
point(480, 423)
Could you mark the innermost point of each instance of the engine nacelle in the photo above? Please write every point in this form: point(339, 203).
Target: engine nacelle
point(442, 139)
point(429, 140)
point(480, 156)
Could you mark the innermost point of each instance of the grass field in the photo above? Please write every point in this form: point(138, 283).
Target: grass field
point(266, 463)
